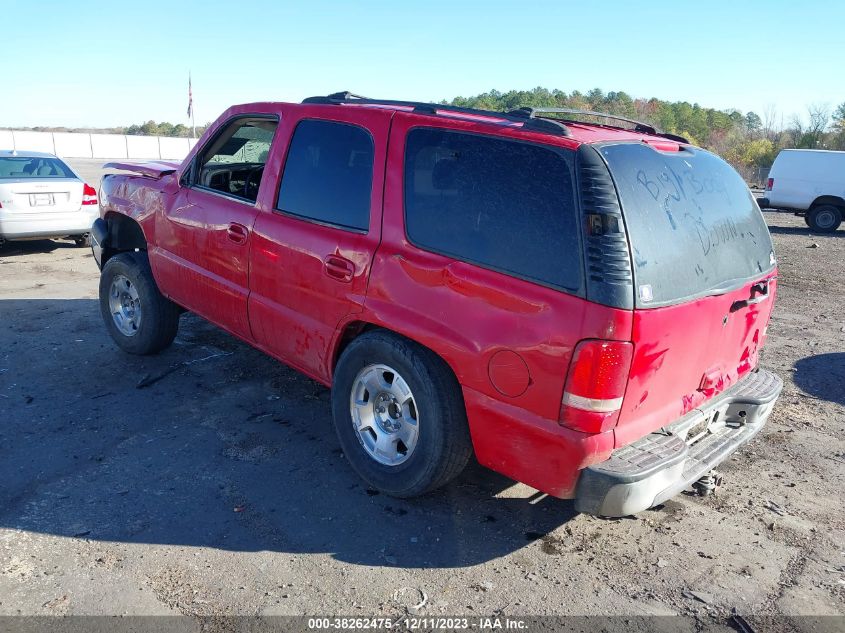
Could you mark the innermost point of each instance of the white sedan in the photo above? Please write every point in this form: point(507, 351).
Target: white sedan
point(41, 197)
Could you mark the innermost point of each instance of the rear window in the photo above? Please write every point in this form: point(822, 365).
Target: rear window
point(694, 227)
point(13, 167)
point(505, 205)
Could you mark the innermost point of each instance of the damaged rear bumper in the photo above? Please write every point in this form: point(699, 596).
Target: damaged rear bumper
point(660, 465)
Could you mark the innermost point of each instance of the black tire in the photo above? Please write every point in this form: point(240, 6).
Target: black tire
point(82, 240)
point(824, 218)
point(159, 320)
point(443, 444)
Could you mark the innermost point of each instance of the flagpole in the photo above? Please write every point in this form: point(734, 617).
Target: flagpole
point(191, 108)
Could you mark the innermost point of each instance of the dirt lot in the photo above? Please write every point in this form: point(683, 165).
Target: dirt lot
point(220, 489)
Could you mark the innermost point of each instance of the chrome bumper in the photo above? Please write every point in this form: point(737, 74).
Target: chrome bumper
point(660, 465)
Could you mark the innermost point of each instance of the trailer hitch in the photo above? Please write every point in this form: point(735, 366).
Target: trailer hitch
point(707, 484)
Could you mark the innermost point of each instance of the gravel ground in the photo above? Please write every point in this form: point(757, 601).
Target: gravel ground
point(220, 489)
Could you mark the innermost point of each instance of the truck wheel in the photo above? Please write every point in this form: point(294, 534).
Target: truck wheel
point(138, 317)
point(399, 415)
point(824, 218)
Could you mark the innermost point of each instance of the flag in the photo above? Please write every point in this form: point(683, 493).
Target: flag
point(190, 98)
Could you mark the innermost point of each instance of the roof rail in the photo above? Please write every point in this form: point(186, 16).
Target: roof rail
point(538, 124)
point(639, 126)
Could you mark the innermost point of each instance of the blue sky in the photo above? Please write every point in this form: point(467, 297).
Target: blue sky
point(103, 63)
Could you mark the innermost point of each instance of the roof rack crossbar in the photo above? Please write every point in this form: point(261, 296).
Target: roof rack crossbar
point(639, 126)
point(533, 112)
point(547, 125)
point(528, 116)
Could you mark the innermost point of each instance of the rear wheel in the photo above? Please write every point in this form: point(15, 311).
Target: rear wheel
point(137, 316)
point(399, 415)
point(824, 218)
point(82, 240)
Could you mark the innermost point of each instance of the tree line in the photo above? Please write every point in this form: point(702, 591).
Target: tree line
point(748, 141)
point(150, 128)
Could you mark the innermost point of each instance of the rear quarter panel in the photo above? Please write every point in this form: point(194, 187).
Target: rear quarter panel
point(508, 341)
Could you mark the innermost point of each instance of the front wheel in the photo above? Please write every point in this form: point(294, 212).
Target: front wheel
point(137, 316)
point(399, 415)
point(824, 218)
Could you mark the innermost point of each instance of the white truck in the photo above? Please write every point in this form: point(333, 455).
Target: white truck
point(810, 183)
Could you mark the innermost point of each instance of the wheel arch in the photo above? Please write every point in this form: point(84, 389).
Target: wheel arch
point(122, 234)
point(356, 328)
point(835, 201)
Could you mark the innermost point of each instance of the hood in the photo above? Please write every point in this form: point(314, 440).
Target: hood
point(152, 169)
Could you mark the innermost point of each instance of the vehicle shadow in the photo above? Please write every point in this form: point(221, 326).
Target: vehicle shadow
point(30, 247)
point(803, 230)
point(822, 376)
point(221, 447)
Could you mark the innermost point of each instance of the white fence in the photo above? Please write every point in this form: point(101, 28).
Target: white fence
point(74, 145)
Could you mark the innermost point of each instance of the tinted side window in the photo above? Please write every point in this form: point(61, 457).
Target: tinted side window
point(328, 174)
point(503, 204)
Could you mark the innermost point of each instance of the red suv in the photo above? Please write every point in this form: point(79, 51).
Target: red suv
point(580, 305)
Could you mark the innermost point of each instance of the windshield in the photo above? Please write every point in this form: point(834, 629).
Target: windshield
point(694, 227)
point(15, 167)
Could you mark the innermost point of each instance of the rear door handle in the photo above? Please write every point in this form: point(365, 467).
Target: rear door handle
point(339, 268)
point(759, 293)
point(237, 233)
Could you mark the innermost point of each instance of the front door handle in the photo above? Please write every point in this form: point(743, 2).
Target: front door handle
point(339, 268)
point(237, 233)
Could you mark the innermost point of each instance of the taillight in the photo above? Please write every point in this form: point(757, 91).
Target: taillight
point(769, 184)
point(89, 194)
point(595, 386)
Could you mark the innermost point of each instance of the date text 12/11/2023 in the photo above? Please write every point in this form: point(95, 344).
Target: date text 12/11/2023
point(418, 623)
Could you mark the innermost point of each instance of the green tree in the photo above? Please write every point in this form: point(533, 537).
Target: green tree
point(837, 128)
point(838, 118)
point(753, 123)
point(595, 98)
